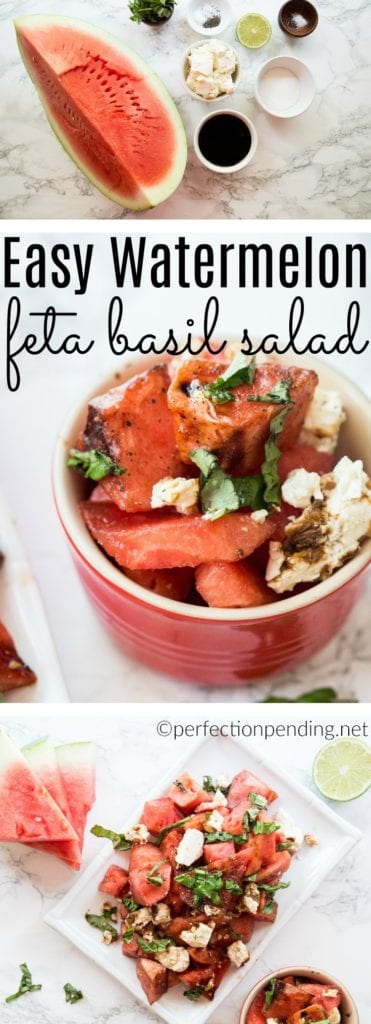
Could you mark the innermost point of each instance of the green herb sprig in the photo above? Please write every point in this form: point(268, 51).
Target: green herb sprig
point(93, 464)
point(204, 885)
point(72, 994)
point(118, 839)
point(151, 12)
point(239, 372)
point(26, 984)
point(101, 922)
point(194, 993)
point(270, 992)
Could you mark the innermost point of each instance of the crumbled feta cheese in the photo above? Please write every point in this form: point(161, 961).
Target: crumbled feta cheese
point(260, 515)
point(190, 847)
point(311, 840)
point(250, 899)
point(214, 823)
point(330, 992)
point(198, 936)
point(210, 69)
point(161, 914)
point(249, 904)
point(222, 780)
point(334, 1016)
point(175, 958)
point(218, 800)
point(177, 491)
point(289, 828)
point(323, 421)
point(107, 938)
point(301, 488)
point(137, 834)
point(139, 919)
point(211, 911)
point(238, 953)
point(327, 533)
point(272, 1020)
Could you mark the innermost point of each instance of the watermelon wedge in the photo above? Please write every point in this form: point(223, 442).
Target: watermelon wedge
point(28, 812)
point(42, 759)
point(76, 762)
point(109, 110)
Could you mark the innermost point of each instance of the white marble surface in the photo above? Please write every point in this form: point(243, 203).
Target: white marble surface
point(314, 166)
point(332, 932)
point(93, 666)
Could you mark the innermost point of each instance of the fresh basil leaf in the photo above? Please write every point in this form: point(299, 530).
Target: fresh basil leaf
point(239, 372)
point(169, 828)
point(263, 887)
point(279, 394)
point(269, 907)
point(211, 787)
point(195, 992)
point(265, 828)
point(323, 695)
point(154, 946)
point(72, 994)
point(26, 984)
point(218, 495)
point(205, 461)
point(130, 904)
point(285, 846)
point(232, 886)
point(221, 493)
point(269, 469)
point(118, 839)
point(250, 491)
point(218, 837)
point(258, 800)
point(100, 921)
point(93, 464)
point(151, 12)
point(270, 992)
point(204, 884)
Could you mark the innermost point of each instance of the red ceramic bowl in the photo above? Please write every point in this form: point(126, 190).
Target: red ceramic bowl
point(348, 1009)
point(216, 647)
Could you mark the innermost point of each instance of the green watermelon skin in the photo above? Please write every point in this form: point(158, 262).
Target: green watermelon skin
point(27, 811)
point(109, 110)
point(76, 762)
point(42, 759)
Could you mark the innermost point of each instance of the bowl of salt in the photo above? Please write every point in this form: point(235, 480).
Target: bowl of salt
point(209, 17)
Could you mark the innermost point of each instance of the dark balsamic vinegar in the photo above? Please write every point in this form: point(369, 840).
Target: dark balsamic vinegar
point(224, 140)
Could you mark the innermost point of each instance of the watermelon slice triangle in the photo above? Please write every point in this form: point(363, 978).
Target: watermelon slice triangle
point(28, 812)
point(42, 759)
point(76, 762)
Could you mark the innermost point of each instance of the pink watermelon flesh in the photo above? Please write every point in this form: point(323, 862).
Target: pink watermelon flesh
point(76, 762)
point(42, 758)
point(27, 811)
point(106, 106)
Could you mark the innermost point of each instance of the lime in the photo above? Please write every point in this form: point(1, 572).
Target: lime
point(253, 30)
point(342, 770)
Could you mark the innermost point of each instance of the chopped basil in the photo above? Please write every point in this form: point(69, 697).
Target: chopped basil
point(72, 994)
point(270, 992)
point(93, 464)
point(273, 888)
point(169, 828)
point(324, 695)
point(265, 828)
point(204, 885)
point(194, 993)
point(154, 879)
point(232, 886)
point(26, 984)
point(269, 469)
point(269, 907)
point(279, 394)
point(210, 786)
point(239, 372)
point(100, 921)
point(218, 837)
point(118, 839)
point(130, 904)
point(154, 946)
point(221, 493)
point(285, 846)
point(128, 935)
point(258, 800)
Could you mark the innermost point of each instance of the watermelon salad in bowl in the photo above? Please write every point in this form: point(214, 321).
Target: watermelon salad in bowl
point(299, 995)
point(218, 509)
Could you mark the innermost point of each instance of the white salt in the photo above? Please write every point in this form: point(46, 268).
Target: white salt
point(279, 88)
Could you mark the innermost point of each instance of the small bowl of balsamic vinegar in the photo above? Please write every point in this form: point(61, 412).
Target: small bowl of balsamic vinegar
point(225, 141)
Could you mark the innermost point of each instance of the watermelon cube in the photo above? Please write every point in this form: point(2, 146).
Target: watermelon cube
point(186, 793)
point(243, 784)
point(165, 540)
point(153, 979)
point(115, 881)
point(232, 585)
point(132, 424)
point(216, 853)
point(172, 583)
point(237, 429)
point(143, 860)
point(158, 814)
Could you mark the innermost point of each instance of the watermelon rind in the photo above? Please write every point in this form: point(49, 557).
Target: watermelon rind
point(42, 759)
point(27, 811)
point(155, 194)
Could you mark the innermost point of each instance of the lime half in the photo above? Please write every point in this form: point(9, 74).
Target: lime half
point(342, 770)
point(253, 30)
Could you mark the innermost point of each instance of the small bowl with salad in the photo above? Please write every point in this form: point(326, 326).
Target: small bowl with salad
point(218, 509)
point(299, 995)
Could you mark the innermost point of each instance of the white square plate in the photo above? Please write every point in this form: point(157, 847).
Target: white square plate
point(308, 870)
point(22, 613)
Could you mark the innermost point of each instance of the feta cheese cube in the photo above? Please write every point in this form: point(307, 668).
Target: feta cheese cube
point(190, 847)
point(260, 515)
point(301, 488)
point(210, 67)
point(214, 823)
point(323, 420)
point(177, 491)
point(161, 914)
point(139, 919)
point(222, 780)
point(289, 828)
point(334, 1016)
point(238, 953)
point(175, 958)
point(201, 61)
point(137, 834)
point(198, 936)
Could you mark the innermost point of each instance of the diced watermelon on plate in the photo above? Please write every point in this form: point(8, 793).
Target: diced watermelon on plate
point(165, 540)
point(245, 783)
point(153, 978)
point(186, 792)
point(132, 424)
point(28, 813)
point(216, 853)
point(115, 881)
point(158, 814)
point(144, 860)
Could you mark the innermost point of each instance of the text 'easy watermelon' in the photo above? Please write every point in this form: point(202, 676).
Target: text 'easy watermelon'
point(109, 110)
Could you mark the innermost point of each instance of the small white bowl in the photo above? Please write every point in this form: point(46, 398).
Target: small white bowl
point(285, 87)
point(224, 95)
point(232, 168)
point(195, 23)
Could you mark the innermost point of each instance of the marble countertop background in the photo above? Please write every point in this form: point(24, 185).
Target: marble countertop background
point(314, 166)
point(332, 932)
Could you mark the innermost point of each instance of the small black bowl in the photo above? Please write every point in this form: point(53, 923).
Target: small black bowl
point(298, 18)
